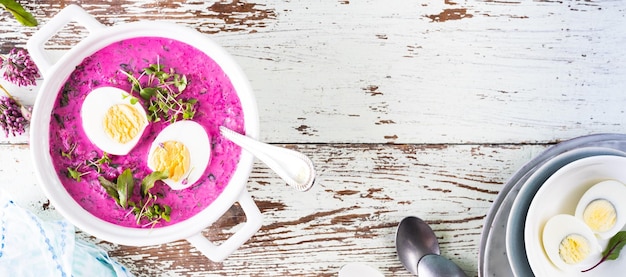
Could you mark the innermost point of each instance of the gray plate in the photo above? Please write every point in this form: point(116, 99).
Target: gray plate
point(493, 259)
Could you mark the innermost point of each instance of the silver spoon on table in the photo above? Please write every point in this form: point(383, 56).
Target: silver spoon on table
point(418, 250)
point(292, 166)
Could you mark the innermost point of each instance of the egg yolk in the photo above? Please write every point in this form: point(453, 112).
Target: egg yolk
point(600, 215)
point(171, 157)
point(574, 248)
point(123, 123)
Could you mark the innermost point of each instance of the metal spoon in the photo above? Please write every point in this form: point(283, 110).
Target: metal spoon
point(292, 166)
point(435, 265)
point(418, 250)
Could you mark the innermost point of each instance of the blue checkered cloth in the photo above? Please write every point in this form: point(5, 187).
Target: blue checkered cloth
point(30, 246)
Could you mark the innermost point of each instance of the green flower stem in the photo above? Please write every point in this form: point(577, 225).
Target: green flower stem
point(8, 94)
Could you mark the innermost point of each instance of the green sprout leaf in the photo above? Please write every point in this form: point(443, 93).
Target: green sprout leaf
point(148, 182)
point(154, 69)
point(125, 185)
point(180, 82)
point(122, 190)
point(104, 159)
point(75, 174)
point(147, 93)
point(132, 100)
point(167, 210)
point(615, 245)
point(20, 14)
point(110, 188)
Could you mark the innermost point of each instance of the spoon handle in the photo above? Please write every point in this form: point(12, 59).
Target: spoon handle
point(292, 166)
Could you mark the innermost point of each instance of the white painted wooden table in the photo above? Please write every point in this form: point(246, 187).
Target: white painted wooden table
point(407, 108)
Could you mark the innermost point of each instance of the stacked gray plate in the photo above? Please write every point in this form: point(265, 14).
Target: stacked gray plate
point(521, 188)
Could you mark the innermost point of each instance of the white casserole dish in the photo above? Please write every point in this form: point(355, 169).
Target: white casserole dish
point(56, 72)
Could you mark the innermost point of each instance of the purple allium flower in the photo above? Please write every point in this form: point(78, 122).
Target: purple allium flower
point(11, 119)
point(19, 68)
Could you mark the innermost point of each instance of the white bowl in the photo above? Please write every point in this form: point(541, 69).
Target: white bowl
point(55, 74)
point(560, 195)
point(514, 239)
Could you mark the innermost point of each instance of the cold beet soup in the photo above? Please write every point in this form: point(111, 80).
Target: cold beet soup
point(85, 170)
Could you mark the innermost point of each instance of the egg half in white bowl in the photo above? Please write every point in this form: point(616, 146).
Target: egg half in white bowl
point(113, 120)
point(560, 194)
point(570, 244)
point(602, 208)
point(182, 150)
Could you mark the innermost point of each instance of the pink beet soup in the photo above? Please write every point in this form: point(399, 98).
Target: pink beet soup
point(218, 104)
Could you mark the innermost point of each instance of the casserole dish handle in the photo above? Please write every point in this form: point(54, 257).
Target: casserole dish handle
point(35, 45)
point(253, 224)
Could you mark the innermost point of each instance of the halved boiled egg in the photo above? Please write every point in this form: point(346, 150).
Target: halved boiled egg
point(112, 120)
point(601, 207)
point(181, 150)
point(570, 244)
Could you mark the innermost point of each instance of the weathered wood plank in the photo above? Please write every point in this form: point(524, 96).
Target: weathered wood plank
point(350, 215)
point(407, 71)
point(460, 87)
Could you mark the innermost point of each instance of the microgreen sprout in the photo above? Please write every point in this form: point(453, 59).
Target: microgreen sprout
point(70, 152)
point(133, 100)
point(151, 211)
point(161, 90)
point(97, 164)
point(122, 190)
point(75, 174)
point(104, 159)
point(146, 208)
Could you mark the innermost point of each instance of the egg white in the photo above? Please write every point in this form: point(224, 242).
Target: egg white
point(612, 191)
point(195, 138)
point(93, 111)
point(560, 226)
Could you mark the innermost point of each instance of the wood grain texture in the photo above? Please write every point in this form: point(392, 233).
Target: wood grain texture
point(407, 107)
point(407, 71)
point(350, 215)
